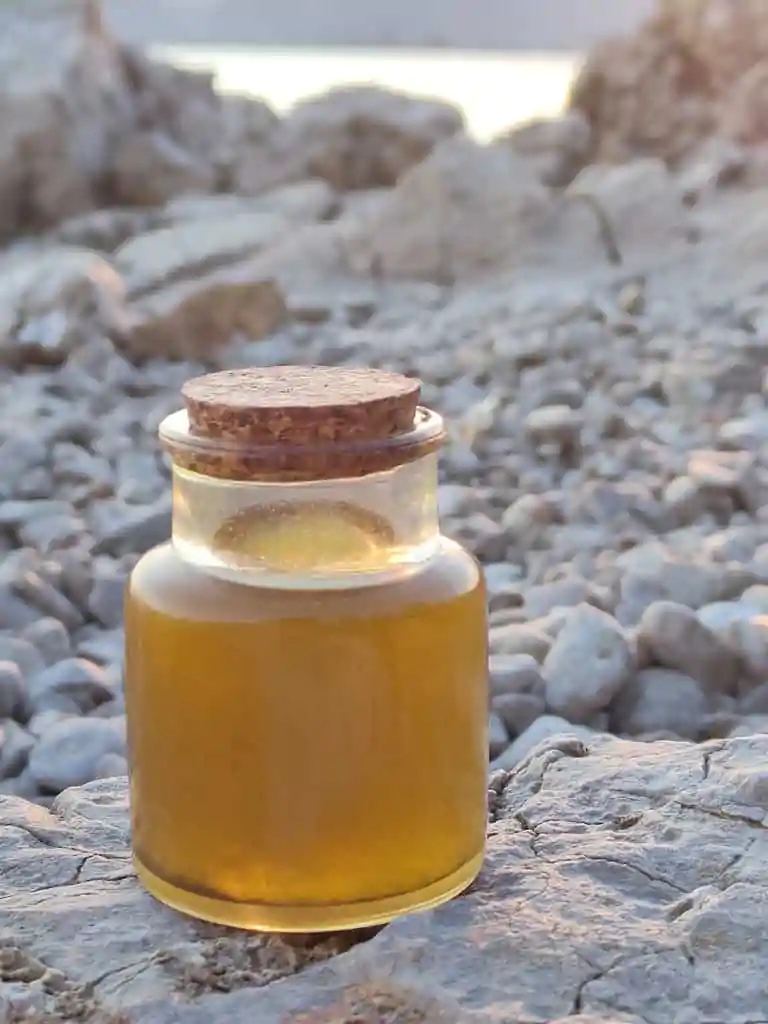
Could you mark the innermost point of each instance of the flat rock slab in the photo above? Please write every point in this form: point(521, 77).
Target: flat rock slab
point(625, 882)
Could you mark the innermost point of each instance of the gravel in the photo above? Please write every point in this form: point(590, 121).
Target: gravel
point(597, 348)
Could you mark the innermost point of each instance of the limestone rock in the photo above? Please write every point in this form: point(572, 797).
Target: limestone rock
point(51, 301)
point(641, 204)
point(353, 137)
point(469, 210)
point(647, 861)
point(65, 101)
point(676, 638)
point(556, 148)
point(660, 700)
point(149, 168)
point(588, 664)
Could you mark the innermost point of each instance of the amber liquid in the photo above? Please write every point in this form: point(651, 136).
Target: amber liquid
point(306, 760)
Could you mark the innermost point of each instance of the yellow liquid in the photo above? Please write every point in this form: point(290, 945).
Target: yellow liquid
point(306, 760)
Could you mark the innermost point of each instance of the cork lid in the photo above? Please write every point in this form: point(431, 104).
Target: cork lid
point(300, 423)
point(301, 404)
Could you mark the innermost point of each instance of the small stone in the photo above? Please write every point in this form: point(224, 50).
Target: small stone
point(542, 729)
point(36, 591)
point(141, 530)
point(588, 664)
point(520, 639)
point(22, 653)
point(755, 702)
point(40, 723)
point(11, 689)
point(71, 685)
point(514, 673)
point(518, 710)
point(660, 700)
point(558, 425)
point(149, 168)
point(749, 637)
point(719, 616)
point(111, 766)
point(498, 740)
point(69, 753)
point(677, 639)
point(15, 745)
point(107, 597)
point(50, 638)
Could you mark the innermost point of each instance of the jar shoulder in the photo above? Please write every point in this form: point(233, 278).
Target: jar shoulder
point(163, 582)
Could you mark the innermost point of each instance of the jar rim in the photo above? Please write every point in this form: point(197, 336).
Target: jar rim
point(237, 460)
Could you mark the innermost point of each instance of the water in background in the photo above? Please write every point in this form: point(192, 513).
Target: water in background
point(494, 90)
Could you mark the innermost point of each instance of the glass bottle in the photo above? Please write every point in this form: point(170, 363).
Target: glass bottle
point(306, 669)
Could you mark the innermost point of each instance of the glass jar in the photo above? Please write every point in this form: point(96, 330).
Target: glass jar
point(306, 665)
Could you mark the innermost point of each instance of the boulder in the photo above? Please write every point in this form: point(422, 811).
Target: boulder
point(470, 210)
point(353, 137)
point(624, 883)
point(65, 100)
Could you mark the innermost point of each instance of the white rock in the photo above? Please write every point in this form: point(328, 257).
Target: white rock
point(70, 752)
point(660, 700)
point(588, 664)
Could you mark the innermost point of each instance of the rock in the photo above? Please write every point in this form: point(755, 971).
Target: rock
point(51, 301)
point(557, 148)
point(544, 728)
point(54, 58)
point(660, 700)
point(111, 766)
point(589, 663)
point(149, 169)
point(520, 639)
point(640, 202)
point(676, 638)
point(468, 211)
point(73, 685)
point(498, 740)
point(749, 637)
point(107, 597)
point(69, 752)
point(15, 745)
point(22, 653)
point(518, 710)
point(40, 594)
point(642, 857)
point(11, 689)
point(557, 425)
point(353, 137)
point(139, 530)
point(190, 320)
point(514, 673)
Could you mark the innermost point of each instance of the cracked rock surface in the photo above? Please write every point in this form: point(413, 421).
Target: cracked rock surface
point(625, 883)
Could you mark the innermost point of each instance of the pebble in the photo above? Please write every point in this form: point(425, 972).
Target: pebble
point(73, 685)
point(51, 638)
point(587, 666)
point(520, 639)
point(11, 689)
point(605, 462)
point(514, 673)
point(660, 700)
point(69, 752)
point(518, 710)
point(676, 638)
point(543, 728)
point(15, 745)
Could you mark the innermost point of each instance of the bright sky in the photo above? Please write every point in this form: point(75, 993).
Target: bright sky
point(495, 90)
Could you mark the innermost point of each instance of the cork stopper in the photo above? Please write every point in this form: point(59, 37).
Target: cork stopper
point(301, 423)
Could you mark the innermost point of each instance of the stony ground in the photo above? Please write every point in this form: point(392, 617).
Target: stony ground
point(625, 884)
point(596, 337)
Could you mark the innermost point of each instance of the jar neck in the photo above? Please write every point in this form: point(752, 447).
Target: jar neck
point(322, 534)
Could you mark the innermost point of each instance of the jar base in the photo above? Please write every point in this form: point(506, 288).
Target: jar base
point(298, 919)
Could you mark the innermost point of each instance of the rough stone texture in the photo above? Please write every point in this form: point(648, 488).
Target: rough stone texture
point(469, 210)
point(694, 69)
point(353, 137)
point(624, 883)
